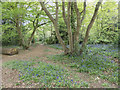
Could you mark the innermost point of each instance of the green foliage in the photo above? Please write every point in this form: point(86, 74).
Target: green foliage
point(96, 61)
point(47, 75)
point(104, 29)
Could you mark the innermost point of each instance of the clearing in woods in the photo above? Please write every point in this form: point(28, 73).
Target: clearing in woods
point(10, 77)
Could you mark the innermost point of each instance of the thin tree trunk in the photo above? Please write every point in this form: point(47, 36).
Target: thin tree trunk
point(73, 27)
point(44, 35)
point(55, 23)
point(63, 12)
point(90, 25)
point(31, 37)
point(51, 31)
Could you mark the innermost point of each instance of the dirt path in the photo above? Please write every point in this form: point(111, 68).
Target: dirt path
point(38, 51)
point(10, 77)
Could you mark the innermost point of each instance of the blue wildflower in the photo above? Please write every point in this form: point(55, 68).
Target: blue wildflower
point(57, 77)
point(36, 74)
point(83, 65)
point(59, 81)
point(105, 59)
point(112, 61)
point(72, 80)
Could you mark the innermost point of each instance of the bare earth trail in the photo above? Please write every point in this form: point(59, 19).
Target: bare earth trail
point(10, 77)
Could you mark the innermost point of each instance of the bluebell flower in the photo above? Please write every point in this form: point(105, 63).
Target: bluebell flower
point(72, 80)
point(112, 61)
point(57, 77)
point(83, 65)
point(105, 60)
point(59, 81)
point(99, 67)
point(36, 74)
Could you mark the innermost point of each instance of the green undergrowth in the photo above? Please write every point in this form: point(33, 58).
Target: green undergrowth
point(47, 75)
point(55, 46)
point(95, 61)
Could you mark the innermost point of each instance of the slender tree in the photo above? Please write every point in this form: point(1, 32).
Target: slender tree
point(55, 23)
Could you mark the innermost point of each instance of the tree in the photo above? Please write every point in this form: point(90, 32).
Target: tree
point(90, 25)
point(18, 13)
point(73, 44)
point(55, 23)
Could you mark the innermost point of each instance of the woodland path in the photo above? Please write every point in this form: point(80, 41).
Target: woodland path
point(10, 77)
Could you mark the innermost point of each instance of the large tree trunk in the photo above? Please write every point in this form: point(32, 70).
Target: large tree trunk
point(79, 23)
point(69, 30)
point(90, 25)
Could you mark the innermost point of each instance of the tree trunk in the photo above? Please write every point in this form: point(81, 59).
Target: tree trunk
point(43, 35)
point(21, 40)
point(31, 37)
point(90, 26)
point(73, 27)
point(79, 23)
point(69, 30)
point(55, 23)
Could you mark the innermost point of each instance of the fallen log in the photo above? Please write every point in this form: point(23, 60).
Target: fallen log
point(9, 51)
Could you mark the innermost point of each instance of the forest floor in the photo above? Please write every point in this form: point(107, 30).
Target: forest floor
point(10, 77)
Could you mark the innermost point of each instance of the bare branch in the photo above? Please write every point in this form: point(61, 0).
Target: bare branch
point(43, 24)
point(47, 12)
point(84, 11)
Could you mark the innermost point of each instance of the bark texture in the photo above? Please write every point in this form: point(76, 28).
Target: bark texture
point(90, 25)
point(55, 23)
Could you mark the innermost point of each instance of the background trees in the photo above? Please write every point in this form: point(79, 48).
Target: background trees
point(72, 22)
